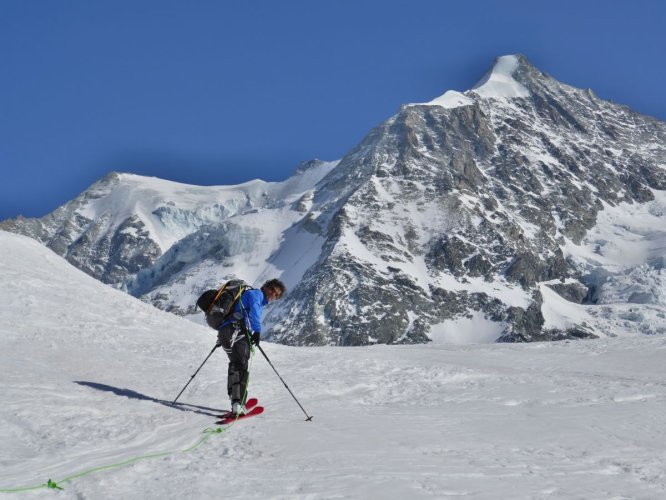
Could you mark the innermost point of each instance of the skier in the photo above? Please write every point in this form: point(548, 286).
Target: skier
point(242, 329)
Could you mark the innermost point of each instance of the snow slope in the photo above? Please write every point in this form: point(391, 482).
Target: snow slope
point(151, 199)
point(622, 259)
point(498, 83)
point(87, 373)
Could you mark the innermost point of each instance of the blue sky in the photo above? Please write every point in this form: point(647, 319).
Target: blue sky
point(221, 92)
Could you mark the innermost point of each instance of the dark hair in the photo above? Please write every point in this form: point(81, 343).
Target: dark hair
point(275, 284)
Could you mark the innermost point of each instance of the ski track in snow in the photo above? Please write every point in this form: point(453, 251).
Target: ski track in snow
point(87, 373)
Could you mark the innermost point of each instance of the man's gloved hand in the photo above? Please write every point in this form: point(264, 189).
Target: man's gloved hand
point(255, 338)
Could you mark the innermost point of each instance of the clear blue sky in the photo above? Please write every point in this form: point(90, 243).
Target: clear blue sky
point(220, 92)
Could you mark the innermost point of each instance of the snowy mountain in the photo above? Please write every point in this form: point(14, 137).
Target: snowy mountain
point(522, 209)
point(88, 373)
point(165, 241)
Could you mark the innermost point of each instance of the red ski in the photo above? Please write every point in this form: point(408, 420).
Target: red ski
point(249, 404)
point(257, 410)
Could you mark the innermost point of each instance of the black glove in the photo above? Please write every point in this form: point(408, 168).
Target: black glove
point(255, 338)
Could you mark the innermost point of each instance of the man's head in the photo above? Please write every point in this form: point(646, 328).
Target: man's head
point(273, 289)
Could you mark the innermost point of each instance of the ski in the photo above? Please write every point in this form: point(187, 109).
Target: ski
point(249, 404)
point(232, 418)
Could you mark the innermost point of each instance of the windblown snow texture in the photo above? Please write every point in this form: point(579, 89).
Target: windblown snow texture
point(524, 207)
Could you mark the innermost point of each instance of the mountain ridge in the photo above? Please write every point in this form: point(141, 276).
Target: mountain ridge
point(441, 212)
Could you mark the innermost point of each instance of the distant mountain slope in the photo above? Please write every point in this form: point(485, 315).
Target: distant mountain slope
point(452, 212)
point(449, 211)
point(140, 234)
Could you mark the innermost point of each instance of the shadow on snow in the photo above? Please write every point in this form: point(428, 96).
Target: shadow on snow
point(128, 393)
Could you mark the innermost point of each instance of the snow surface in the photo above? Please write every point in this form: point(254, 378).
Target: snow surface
point(498, 83)
point(451, 99)
point(151, 199)
point(623, 258)
point(261, 244)
point(625, 236)
point(475, 329)
point(560, 313)
point(88, 372)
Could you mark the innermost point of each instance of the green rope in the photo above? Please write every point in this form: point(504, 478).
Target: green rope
point(56, 485)
point(207, 431)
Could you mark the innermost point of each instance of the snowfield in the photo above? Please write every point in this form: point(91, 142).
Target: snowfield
point(88, 371)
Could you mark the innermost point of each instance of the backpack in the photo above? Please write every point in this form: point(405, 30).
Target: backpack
point(217, 304)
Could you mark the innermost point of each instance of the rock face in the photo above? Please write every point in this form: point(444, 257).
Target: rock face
point(444, 209)
point(462, 206)
point(88, 241)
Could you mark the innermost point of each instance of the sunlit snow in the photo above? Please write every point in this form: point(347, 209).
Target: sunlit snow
point(498, 83)
point(88, 373)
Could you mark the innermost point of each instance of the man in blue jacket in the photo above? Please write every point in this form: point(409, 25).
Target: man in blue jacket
point(236, 334)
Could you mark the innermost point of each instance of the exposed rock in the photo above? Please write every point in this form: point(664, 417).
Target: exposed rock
point(573, 292)
point(440, 212)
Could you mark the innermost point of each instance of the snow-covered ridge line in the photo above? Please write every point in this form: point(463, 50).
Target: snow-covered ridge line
point(127, 191)
point(170, 210)
point(167, 186)
point(498, 83)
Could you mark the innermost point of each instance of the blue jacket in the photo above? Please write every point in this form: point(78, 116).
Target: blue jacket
point(253, 302)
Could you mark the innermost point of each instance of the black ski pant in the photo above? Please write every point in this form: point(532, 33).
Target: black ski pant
point(233, 340)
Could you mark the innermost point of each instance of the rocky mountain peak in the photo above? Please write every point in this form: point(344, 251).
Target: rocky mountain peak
point(494, 206)
point(466, 205)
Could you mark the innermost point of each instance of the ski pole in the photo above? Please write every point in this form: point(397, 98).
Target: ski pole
point(195, 374)
point(285, 384)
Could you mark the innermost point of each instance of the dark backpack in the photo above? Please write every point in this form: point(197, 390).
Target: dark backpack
point(217, 304)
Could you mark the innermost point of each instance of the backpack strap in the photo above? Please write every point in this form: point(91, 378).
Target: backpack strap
point(237, 298)
point(217, 297)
